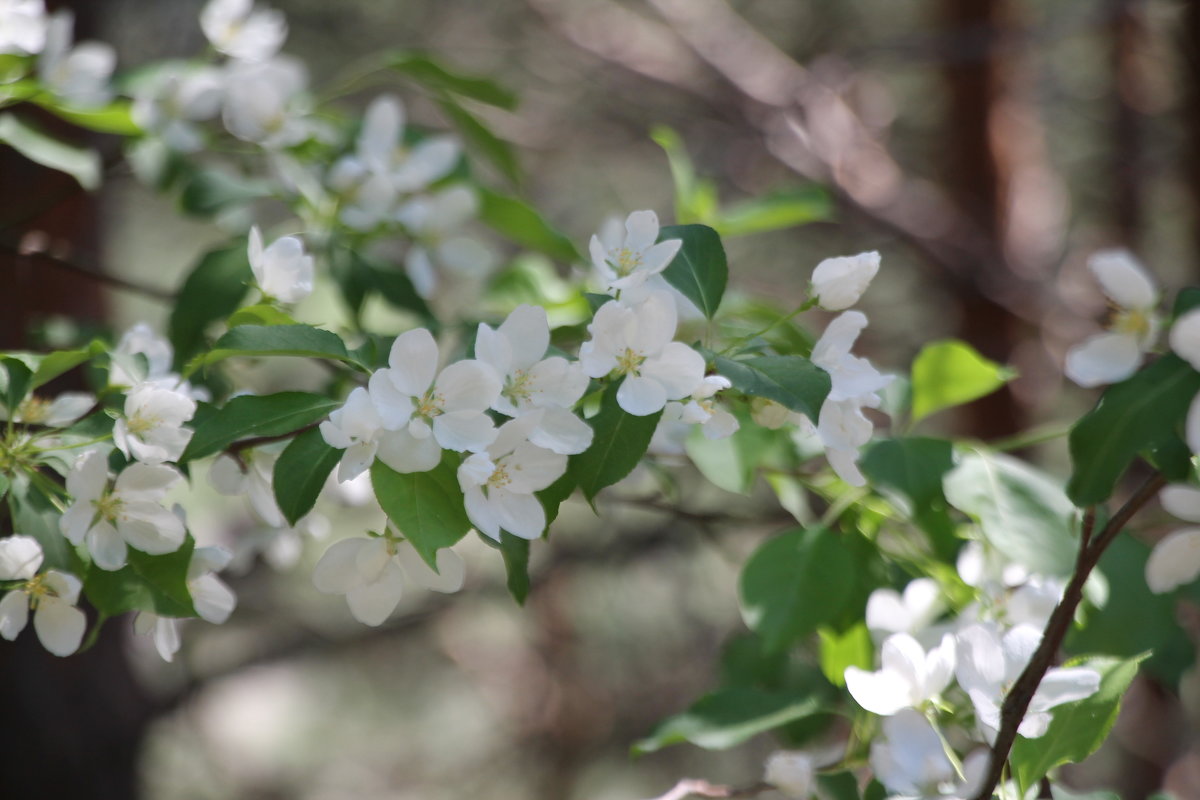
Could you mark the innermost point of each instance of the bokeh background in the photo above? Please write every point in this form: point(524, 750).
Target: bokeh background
point(985, 147)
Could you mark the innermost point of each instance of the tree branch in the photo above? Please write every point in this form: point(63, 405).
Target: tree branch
point(88, 272)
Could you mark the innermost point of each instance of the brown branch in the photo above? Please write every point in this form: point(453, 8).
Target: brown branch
point(88, 272)
point(1016, 703)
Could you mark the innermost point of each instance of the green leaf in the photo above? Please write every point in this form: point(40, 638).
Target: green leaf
point(147, 583)
point(1138, 414)
point(396, 288)
point(428, 72)
point(1078, 728)
point(950, 373)
point(16, 379)
point(34, 514)
point(112, 118)
point(209, 191)
point(620, 441)
point(850, 649)
point(256, 415)
point(427, 507)
point(516, 565)
point(914, 467)
point(794, 583)
point(695, 199)
point(838, 786)
point(728, 717)
point(300, 473)
point(275, 340)
point(81, 163)
point(1022, 512)
point(480, 137)
point(44, 368)
point(261, 314)
point(732, 461)
point(699, 270)
point(1185, 301)
point(213, 290)
point(774, 212)
point(552, 496)
point(792, 381)
point(519, 222)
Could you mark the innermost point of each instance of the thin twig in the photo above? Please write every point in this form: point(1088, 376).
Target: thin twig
point(89, 272)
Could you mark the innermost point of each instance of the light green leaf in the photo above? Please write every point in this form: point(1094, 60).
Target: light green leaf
point(619, 443)
point(81, 163)
point(275, 340)
point(157, 584)
point(699, 270)
point(300, 473)
point(840, 650)
point(112, 118)
point(950, 373)
point(794, 583)
point(1078, 728)
point(519, 222)
point(425, 70)
point(213, 290)
point(261, 314)
point(695, 199)
point(34, 514)
point(1135, 415)
point(774, 212)
point(730, 462)
point(1022, 512)
point(427, 507)
point(256, 415)
point(792, 381)
point(480, 137)
point(728, 717)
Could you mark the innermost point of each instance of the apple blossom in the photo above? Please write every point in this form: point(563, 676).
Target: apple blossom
point(624, 259)
point(263, 102)
point(637, 343)
point(701, 409)
point(370, 572)
point(52, 595)
point(499, 483)
point(79, 75)
point(228, 478)
point(1115, 355)
point(211, 597)
point(890, 612)
point(163, 631)
point(838, 283)
point(130, 513)
point(283, 271)
point(910, 757)
point(791, 772)
point(1176, 558)
point(171, 102)
point(22, 26)
point(432, 220)
point(236, 28)
point(60, 412)
point(151, 429)
point(909, 676)
point(356, 427)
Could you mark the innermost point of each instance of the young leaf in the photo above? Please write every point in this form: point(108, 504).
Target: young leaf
point(81, 163)
point(478, 135)
point(1138, 414)
point(519, 222)
point(774, 212)
point(112, 118)
point(794, 583)
point(300, 473)
point(427, 507)
point(840, 650)
point(695, 199)
point(424, 70)
point(620, 442)
point(728, 717)
point(256, 415)
point(699, 270)
point(950, 373)
point(275, 340)
point(213, 290)
point(792, 381)
point(146, 583)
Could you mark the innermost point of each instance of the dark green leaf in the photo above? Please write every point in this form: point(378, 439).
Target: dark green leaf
point(795, 583)
point(1132, 416)
point(728, 717)
point(1186, 300)
point(482, 139)
point(209, 191)
point(275, 340)
point(950, 373)
point(81, 163)
point(792, 381)
point(620, 442)
point(519, 222)
point(213, 290)
point(261, 314)
point(33, 514)
point(396, 288)
point(300, 473)
point(254, 415)
point(553, 496)
point(516, 565)
point(699, 270)
point(839, 786)
point(147, 583)
point(16, 379)
point(424, 70)
point(914, 467)
point(427, 507)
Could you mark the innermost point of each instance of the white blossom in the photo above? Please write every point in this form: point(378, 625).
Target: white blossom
point(171, 102)
point(1185, 337)
point(52, 595)
point(637, 343)
point(909, 758)
point(130, 513)
point(1175, 559)
point(57, 413)
point(791, 772)
point(1115, 355)
point(163, 631)
point(888, 611)
point(356, 427)
point(236, 28)
point(701, 409)
point(838, 283)
point(530, 382)
point(213, 600)
point(79, 75)
point(282, 270)
point(499, 483)
point(264, 102)
point(625, 257)
point(22, 26)
point(151, 429)
point(908, 678)
point(370, 572)
point(433, 221)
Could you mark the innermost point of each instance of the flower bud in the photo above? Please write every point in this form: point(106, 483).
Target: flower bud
point(837, 283)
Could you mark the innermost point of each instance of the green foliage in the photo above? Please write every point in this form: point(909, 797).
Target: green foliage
point(792, 381)
point(113, 118)
point(34, 514)
point(427, 507)
point(519, 222)
point(424, 69)
point(728, 717)
point(1078, 728)
point(620, 442)
point(699, 270)
point(730, 462)
point(1133, 416)
point(43, 368)
point(1022, 512)
point(852, 648)
point(260, 314)
point(213, 290)
point(276, 340)
point(481, 138)
point(207, 192)
point(300, 473)
point(950, 373)
point(81, 163)
point(147, 583)
point(910, 471)
point(794, 583)
point(254, 415)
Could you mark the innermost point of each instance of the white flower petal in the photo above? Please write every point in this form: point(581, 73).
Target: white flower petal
point(519, 514)
point(679, 368)
point(481, 513)
point(1181, 500)
point(20, 557)
point(14, 614)
point(59, 626)
point(337, 570)
point(1185, 337)
point(641, 396)
point(213, 599)
point(1103, 358)
point(562, 431)
point(451, 571)
point(1174, 561)
point(882, 692)
point(106, 547)
point(372, 603)
point(404, 452)
point(1123, 279)
point(414, 361)
point(528, 333)
point(464, 430)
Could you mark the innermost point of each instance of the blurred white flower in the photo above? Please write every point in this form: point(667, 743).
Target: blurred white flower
point(236, 28)
point(1176, 558)
point(791, 772)
point(356, 427)
point(264, 102)
point(52, 595)
point(171, 102)
point(1115, 355)
point(79, 75)
point(890, 612)
point(283, 270)
point(838, 283)
point(22, 26)
point(57, 413)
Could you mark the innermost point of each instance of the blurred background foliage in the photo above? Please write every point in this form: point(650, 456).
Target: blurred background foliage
point(985, 147)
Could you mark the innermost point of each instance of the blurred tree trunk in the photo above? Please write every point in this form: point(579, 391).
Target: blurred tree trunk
point(1126, 32)
point(1189, 50)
